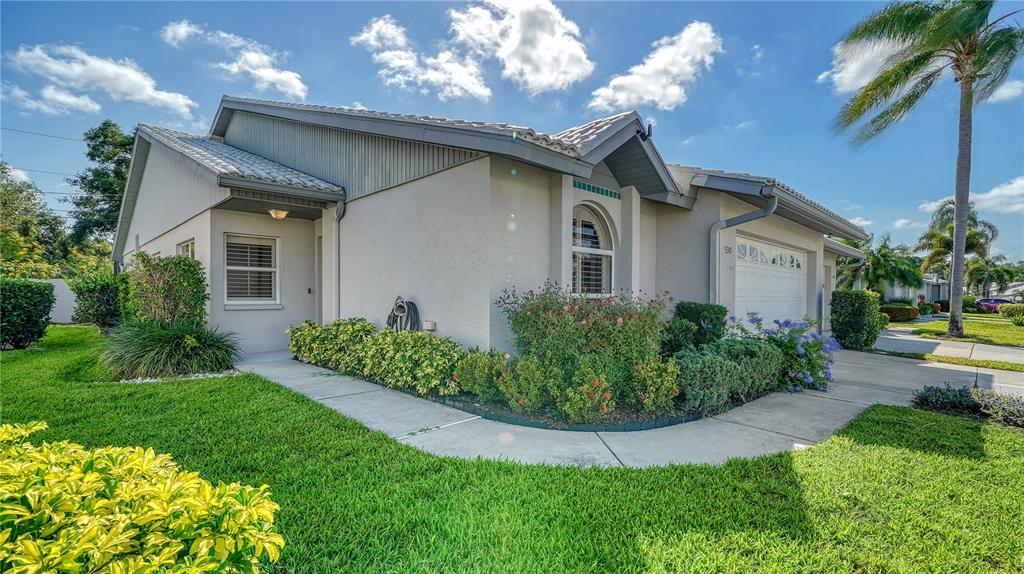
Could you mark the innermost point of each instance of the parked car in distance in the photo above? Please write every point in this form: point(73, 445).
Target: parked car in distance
point(994, 301)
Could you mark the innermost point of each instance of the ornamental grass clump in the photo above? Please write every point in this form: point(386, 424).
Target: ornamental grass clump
point(68, 509)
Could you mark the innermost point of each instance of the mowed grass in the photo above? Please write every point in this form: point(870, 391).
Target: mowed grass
point(977, 331)
point(898, 490)
point(982, 363)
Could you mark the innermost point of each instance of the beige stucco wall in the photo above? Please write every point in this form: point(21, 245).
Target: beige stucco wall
point(261, 327)
point(173, 189)
point(427, 241)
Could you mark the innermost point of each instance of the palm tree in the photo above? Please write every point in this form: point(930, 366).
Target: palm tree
point(983, 273)
point(937, 245)
point(931, 38)
point(881, 267)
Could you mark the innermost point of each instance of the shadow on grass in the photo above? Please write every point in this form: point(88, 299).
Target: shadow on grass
point(919, 430)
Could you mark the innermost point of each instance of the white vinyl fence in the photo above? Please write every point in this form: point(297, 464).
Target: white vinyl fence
point(64, 304)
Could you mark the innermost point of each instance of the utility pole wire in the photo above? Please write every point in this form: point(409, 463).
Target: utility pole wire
point(43, 135)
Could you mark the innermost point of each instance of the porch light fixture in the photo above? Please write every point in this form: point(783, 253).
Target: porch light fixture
point(278, 213)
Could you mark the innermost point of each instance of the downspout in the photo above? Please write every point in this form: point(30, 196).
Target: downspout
point(339, 212)
point(768, 192)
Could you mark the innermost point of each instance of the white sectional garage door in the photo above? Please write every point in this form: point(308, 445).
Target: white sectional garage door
point(771, 280)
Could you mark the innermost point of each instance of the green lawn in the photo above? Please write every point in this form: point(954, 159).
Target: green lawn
point(898, 490)
point(990, 332)
point(1003, 365)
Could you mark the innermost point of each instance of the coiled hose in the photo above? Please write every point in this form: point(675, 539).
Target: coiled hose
point(404, 316)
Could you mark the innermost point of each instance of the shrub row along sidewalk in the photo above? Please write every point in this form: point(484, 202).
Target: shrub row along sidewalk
point(586, 360)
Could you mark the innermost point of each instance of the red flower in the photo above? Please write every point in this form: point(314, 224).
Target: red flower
point(595, 383)
point(522, 402)
point(591, 394)
point(603, 407)
point(607, 396)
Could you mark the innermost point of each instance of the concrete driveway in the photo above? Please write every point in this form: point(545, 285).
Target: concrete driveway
point(776, 423)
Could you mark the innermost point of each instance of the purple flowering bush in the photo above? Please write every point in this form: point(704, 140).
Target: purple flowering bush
point(807, 354)
point(986, 308)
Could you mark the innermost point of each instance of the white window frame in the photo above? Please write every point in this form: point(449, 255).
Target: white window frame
point(276, 269)
point(610, 253)
point(187, 244)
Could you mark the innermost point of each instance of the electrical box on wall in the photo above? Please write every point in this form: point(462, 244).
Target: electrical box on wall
point(429, 326)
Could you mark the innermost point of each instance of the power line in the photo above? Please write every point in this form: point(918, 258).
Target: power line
point(43, 135)
point(44, 171)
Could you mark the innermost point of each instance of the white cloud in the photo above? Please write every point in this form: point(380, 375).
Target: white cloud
point(751, 66)
point(177, 33)
point(52, 101)
point(904, 223)
point(850, 205)
point(122, 80)
point(757, 52)
point(660, 80)
point(861, 221)
point(258, 62)
point(357, 105)
point(749, 124)
point(1008, 91)
point(1006, 197)
point(690, 140)
point(20, 175)
point(447, 73)
point(539, 48)
point(854, 65)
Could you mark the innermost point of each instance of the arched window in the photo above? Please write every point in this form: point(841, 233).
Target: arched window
point(591, 253)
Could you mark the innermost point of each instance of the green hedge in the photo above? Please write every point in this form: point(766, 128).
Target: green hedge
point(165, 290)
point(708, 317)
point(943, 305)
point(969, 303)
point(97, 299)
point(855, 319)
point(24, 311)
point(1010, 310)
point(900, 313)
point(925, 309)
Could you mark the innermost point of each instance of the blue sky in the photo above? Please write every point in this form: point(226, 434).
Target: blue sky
point(732, 85)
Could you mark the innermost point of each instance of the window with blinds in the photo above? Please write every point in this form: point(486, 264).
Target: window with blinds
point(251, 269)
point(187, 248)
point(591, 253)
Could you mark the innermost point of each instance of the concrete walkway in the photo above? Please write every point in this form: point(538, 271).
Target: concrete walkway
point(902, 340)
point(776, 423)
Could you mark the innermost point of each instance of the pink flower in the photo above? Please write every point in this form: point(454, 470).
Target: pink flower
point(618, 321)
point(591, 394)
point(522, 402)
point(595, 383)
point(603, 407)
point(583, 322)
point(607, 396)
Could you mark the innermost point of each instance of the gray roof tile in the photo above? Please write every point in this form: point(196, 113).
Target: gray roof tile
point(587, 136)
point(224, 159)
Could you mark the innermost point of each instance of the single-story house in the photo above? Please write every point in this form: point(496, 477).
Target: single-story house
point(302, 211)
point(933, 288)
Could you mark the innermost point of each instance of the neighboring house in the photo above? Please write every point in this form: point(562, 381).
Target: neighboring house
point(933, 289)
point(310, 212)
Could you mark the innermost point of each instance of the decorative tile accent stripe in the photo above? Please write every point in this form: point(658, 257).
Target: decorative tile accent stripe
point(595, 189)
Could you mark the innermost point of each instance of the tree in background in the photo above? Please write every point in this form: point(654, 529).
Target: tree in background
point(984, 273)
point(102, 185)
point(930, 39)
point(881, 267)
point(937, 241)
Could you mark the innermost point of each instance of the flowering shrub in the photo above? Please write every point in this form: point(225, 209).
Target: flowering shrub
point(1001, 408)
point(65, 508)
point(900, 312)
point(983, 307)
point(558, 329)
point(807, 356)
point(657, 384)
point(589, 398)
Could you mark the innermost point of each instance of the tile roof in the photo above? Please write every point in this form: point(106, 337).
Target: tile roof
point(224, 159)
point(554, 143)
point(780, 185)
point(589, 135)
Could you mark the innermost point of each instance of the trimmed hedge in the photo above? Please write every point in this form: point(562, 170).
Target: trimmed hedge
point(900, 313)
point(97, 299)
point(1010, 310)
point(708, 317)
point(855, 319)
point(969, 303)
point(24, 311)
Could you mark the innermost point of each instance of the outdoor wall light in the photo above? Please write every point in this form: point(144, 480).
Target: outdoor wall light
point(278, 213)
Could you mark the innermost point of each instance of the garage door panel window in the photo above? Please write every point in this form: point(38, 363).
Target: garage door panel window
point(770, 280)
point(251, 269)
point(592, 253)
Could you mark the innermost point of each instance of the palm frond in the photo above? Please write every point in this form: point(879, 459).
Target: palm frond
point(883, 88)
point(953, 23)
point(899, 22)
point(997, 53)
point(898, 109)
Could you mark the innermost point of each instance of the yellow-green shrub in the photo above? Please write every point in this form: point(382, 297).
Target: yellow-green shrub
point(413, 360)
point(65, 508)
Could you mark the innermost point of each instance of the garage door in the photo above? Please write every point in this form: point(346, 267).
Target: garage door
point(771, 280)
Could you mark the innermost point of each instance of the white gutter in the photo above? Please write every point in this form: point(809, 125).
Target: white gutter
point(339, 212)
point(767, 192)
